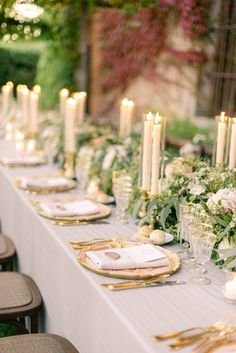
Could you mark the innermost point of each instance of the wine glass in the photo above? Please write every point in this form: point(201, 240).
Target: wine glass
point(83, 164)
point(202, 245)
point(122, 190)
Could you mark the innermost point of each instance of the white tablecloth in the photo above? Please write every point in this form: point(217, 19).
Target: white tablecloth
point(94, 319)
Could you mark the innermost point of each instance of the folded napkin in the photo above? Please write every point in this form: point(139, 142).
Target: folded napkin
point(23, 160)
point(70, 209)
point(43, 182)
point(139, 256)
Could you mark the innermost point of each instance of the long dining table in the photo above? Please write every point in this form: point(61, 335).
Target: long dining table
point(75, 305)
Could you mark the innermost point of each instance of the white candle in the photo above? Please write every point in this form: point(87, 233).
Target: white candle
point(147, 151)
point(70, 118)
point(230, 289)
point(34, 112)
point(232, 151)
point(31, 146)
point(220, 144)
point(64, 94)
point(19, 138)
point(6, 97)
point(80, 98)
point(11, 85)
point(126, 112)
point(25, 105)
point(37, 89)
point(123, 106)
point(156, 154)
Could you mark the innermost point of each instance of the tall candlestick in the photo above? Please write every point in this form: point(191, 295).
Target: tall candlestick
point(232, 150)
point(34, 113)
point(6, 95)
point(147, 151)
point(70, 118)
point(80, 98)
point(126, 112)
point(220, 143)
point(156, 154)
point(25, 105)
point(64, 94)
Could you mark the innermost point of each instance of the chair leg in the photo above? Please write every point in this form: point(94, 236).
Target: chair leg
point(34, 323)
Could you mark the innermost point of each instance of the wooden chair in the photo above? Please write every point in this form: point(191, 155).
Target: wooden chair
point(36, 343)
point(7, 253)
point(19, 298)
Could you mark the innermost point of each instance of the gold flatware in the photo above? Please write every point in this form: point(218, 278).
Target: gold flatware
point(145, 284)
point(123, 283)
point(178, 345)
point(69, 223)
point(78, 242)
point(219, 325)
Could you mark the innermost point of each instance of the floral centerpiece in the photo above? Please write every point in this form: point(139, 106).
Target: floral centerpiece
point(193, 180)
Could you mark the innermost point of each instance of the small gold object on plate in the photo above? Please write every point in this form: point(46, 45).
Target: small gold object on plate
point(104, 212)
point(44, 190)
point(138, 273)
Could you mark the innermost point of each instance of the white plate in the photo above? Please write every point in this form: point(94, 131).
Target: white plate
point(168, 238)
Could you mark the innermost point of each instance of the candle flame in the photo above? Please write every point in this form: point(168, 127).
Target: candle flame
point(127, 102)
point(10, 84)
point(24, 90)
point(158, 118)
point(149, 116)
point(71, 101)
point(37, 89)
point(6, 88)
point(64, 92)
point(34, 95)
point(79, 95)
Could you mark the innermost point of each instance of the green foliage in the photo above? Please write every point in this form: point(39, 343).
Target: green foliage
point(53, 73)
point(19, 63)
point(185, 129)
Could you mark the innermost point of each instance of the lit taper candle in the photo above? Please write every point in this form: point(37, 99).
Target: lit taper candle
point(64, 94)
point(80, 98)
point(232, 148)
point(70, 119)
point(34, 113)
point(147, 151)
point(156, 154)
point(221, 136)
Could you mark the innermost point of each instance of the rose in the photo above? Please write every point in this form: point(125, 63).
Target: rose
point(224, 199)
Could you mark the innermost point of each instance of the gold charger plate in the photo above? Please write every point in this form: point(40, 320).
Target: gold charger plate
point(142, 274)
point(104, 211)
point(45, 190)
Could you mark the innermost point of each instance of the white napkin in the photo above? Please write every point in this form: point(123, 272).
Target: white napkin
point(139, 256)
point(43, 182)
point(76, 208)
point(23, 160)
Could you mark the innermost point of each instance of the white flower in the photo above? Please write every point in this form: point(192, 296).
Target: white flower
point(226, 244)
point(197, 189)
point(224, 198)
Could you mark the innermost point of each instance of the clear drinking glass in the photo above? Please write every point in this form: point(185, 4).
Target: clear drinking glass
point(122, 190)
point(83, 164)
point(202, 245)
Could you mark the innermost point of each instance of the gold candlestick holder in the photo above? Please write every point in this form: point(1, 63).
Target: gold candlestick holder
point(143, 208)
point(152, 196)
point(70, 165)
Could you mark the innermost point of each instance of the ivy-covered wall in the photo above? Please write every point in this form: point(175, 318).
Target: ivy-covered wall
point(19, 62)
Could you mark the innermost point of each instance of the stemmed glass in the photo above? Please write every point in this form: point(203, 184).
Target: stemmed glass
point(202, 243)
point(83, 164)
point(122, 190)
